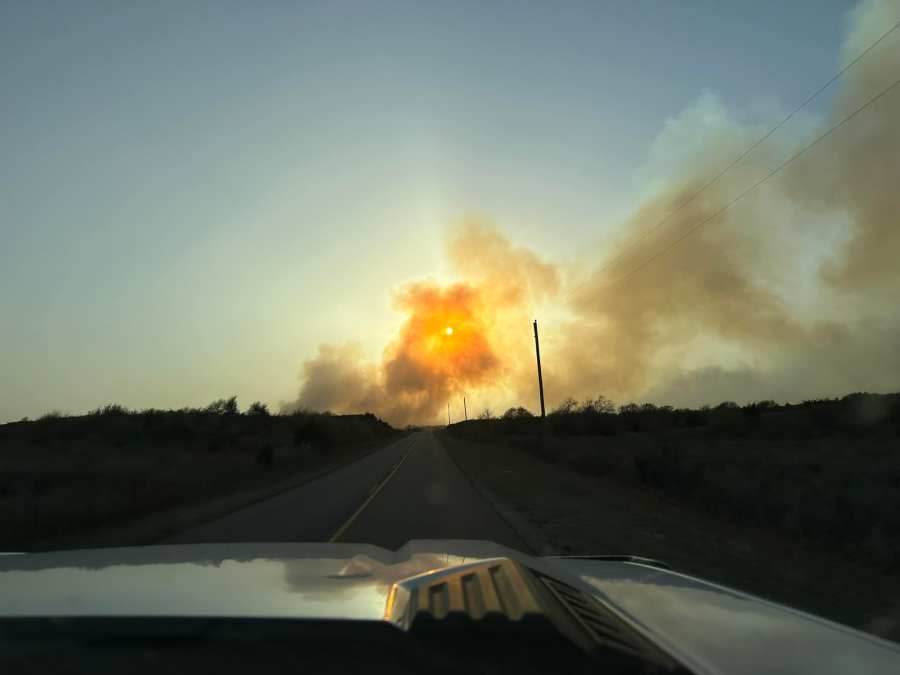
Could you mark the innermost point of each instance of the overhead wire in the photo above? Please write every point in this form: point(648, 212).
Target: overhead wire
point(740, 158)
point(762, 180)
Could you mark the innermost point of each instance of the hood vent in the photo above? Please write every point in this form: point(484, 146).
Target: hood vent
point(496, 587)
point(501, 588)
point(604, 627)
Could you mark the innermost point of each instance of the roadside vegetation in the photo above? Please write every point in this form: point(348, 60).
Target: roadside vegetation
point(61, 475)
point(826, 470)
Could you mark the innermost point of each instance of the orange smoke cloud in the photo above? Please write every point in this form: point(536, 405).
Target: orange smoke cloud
point(443, 347)
point(459, 339)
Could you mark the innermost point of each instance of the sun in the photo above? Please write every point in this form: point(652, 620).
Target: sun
point(448, 330)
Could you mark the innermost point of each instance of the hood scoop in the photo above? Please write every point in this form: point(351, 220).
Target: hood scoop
point(490, 589)
point(494, 591)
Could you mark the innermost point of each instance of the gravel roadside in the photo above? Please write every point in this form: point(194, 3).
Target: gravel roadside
point(557, 510)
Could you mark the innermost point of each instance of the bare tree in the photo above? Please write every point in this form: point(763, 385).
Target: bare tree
point(567, 407)
point(598, 405)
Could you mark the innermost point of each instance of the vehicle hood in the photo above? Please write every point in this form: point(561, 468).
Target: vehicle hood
point(706, 627)
point(323, 581)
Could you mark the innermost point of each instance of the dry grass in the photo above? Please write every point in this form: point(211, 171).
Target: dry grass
point(561, 508)
point(61, 477)
point(826, 471)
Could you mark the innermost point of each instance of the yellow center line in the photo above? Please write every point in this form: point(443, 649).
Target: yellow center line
point(372, 495)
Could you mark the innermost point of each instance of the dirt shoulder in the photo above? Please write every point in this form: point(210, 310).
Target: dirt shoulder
point(559, 510)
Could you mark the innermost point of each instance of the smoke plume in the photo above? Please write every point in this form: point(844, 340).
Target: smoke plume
point(789, 294)
point(454, 339)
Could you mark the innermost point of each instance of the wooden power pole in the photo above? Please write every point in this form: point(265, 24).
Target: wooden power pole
point(537, 351)
point(465, 412)
point(448, 413)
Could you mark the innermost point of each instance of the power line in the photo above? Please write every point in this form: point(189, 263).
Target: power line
point(762, 180)
point(740, 157)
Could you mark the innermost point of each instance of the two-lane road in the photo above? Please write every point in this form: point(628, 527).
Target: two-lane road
point(410, 489)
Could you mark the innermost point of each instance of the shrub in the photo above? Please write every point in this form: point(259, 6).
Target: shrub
point(266, 456)
point(172, 428)
point(690, 418)
point(759, 407)
point(310, 432)
point(517, 413)
point(111, 410)
point(258, 409)
point(224, 406)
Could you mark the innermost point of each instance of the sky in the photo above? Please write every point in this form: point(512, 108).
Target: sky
point(194, 197)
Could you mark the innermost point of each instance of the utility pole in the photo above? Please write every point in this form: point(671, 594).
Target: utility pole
point(537, 351)
point(465, 412)
point(448, 413)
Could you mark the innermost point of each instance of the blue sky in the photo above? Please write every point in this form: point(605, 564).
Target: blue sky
point(195, 195)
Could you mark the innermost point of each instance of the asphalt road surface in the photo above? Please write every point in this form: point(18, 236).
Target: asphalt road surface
point(410, 489)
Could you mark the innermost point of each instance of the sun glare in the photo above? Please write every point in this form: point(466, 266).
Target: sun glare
point(448, 330)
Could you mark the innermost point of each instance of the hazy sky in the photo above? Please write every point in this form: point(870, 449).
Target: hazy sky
point(193, 196)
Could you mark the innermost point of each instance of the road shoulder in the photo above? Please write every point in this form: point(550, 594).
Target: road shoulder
point(558, 510)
